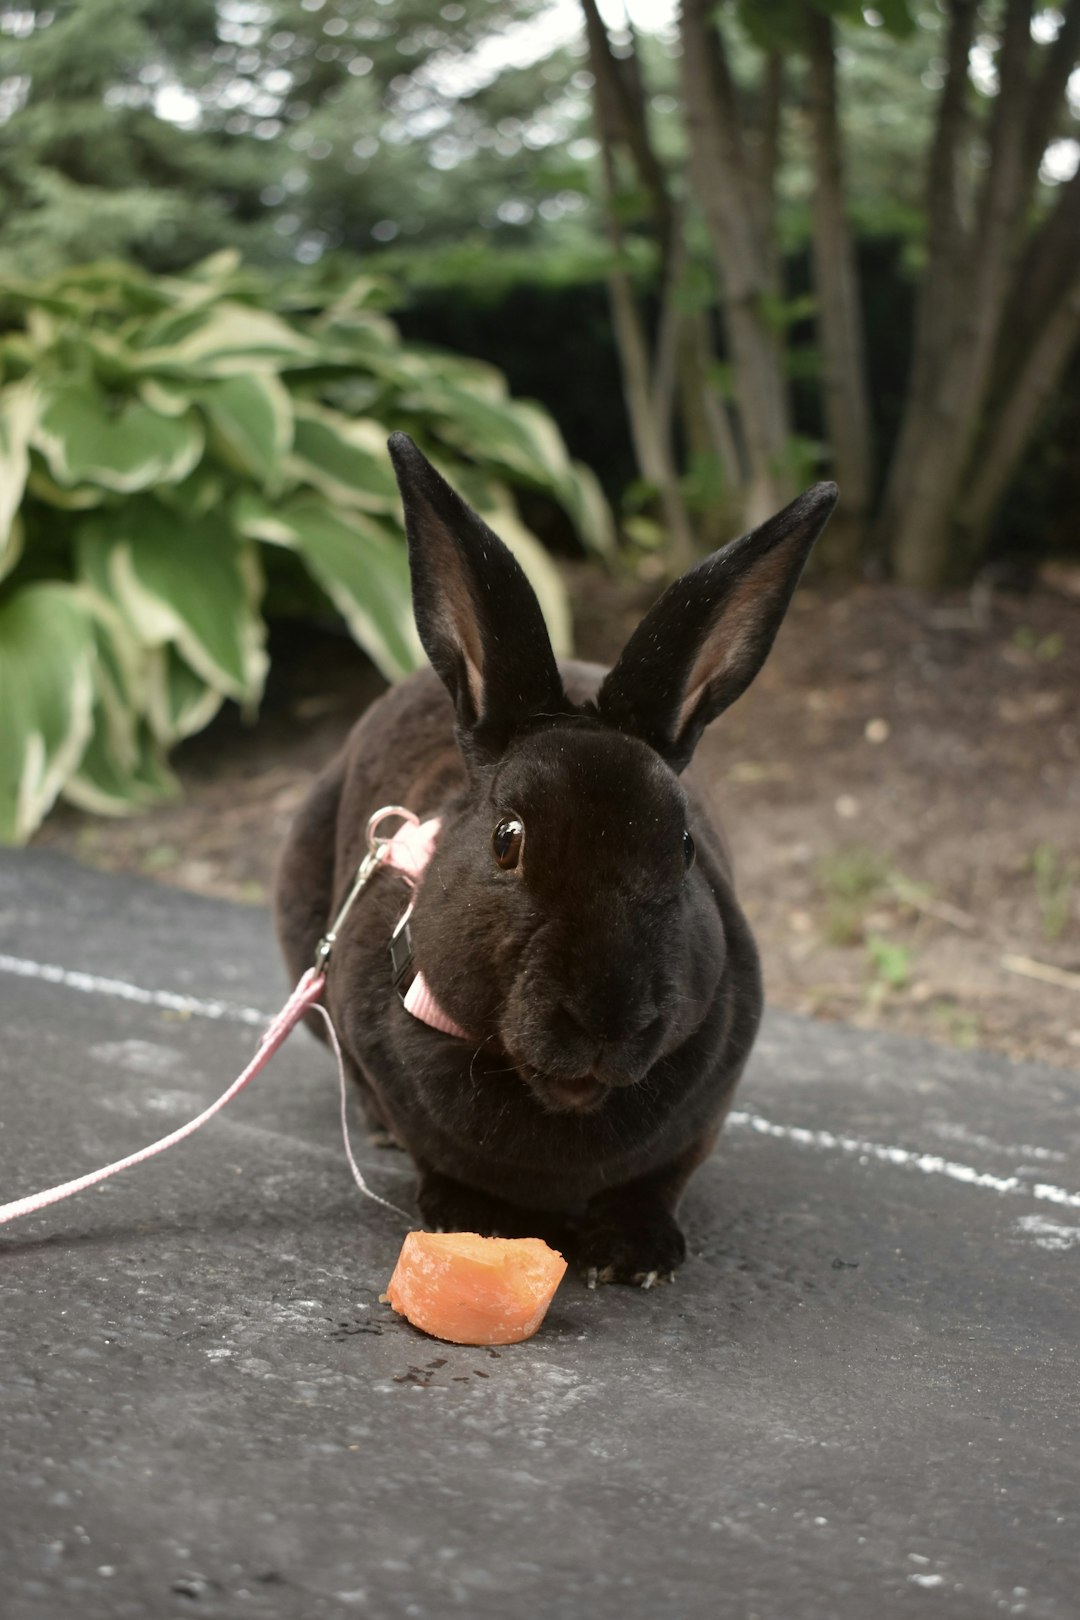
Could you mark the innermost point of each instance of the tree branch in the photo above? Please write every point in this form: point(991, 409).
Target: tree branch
point(621, 104)
point(717, 152)
point(1046, 269)
point(764, 170)
point(1030, 390)
point(836, 281)
point(1004, 192)
point(1039, 332)
point(725, 191)
point(648, 407)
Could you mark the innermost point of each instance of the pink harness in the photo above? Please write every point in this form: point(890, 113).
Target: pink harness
point(409, 853)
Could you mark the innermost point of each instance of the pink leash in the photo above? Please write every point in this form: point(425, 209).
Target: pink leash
point(407, 852)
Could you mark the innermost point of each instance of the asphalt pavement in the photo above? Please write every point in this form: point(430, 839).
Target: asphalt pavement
point(860, 1398)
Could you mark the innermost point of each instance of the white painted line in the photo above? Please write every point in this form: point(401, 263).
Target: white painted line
point(91, 984)
point(1012, 1150)
point(930, 1164)
point(231, 1012)
point(1049, 1234)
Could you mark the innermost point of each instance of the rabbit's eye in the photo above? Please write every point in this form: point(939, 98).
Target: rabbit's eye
point(688, 850)
point(506, 842)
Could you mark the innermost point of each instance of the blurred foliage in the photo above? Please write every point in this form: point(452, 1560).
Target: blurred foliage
point(1057, 879)
point(452, 146)
point(852, 878)
point(286, 128)
point(166, 444)
point(293, 128)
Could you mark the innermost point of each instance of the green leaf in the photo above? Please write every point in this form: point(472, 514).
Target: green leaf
point(46, 700)
point(18, 409)
point(168, 396)
point(105, 787)
point(898, 17)
point(545, 579)
point(123, 766)
point(87, 439)
point(79, 499)
point(225, 340)
point(179, 703)
point(521, 440)
point(188, 582)
point(345, 461)
point(465, 419)
point(891, 961)
point(361, 566)
point(251, 423)
point(586, 504)
point(773, 24)
point(152, 773)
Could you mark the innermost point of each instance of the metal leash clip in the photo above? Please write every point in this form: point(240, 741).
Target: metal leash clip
point(377, 851)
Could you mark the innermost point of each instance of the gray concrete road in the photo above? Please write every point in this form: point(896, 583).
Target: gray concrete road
point(859, 1399)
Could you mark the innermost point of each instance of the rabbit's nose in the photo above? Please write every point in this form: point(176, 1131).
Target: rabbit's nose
point(624, 1020)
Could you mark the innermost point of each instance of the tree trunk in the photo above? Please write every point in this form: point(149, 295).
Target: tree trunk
point(707, 429)
point(725, 187)
point(1030, 389)
point(648, 390)
point(1039, 376)
point(650, 432)
point(940, 295)
point(840, 326)
point(927, 480)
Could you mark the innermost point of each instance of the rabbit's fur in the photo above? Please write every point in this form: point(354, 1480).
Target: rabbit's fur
point(611, 992)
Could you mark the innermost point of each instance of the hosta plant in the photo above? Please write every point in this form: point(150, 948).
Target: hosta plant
point(166, 443)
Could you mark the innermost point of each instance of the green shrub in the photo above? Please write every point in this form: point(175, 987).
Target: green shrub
point(163, 440)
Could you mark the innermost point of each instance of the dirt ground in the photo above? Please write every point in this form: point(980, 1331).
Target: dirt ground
point(901, 787)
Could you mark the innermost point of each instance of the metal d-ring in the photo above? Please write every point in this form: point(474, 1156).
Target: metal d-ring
point(374, 843)
point(377, 850)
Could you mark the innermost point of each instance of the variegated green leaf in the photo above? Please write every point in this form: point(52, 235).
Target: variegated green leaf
point(110, 776)
point(18, 410)
point(508, 431)
point(543, 575)
point(225, 340)
point(192, 418)
point(437, 367)
point(251, 423)
point(152, 774)
point(81, 498)
point(105, 787)
point(85, 439)
point(521, 440)
point(253, 517)
point(586, 504)
point(205, 491)
point(189, 582)
point(344, 460)
point(361, 566)
point(169, 396)
point(47, 656)
point(179, 703)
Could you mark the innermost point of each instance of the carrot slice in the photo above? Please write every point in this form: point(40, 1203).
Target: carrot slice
point(475, 1290)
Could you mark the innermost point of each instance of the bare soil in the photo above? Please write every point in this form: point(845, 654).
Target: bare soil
point(901, 787)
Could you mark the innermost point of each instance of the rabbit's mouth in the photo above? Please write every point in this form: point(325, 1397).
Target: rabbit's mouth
point(582, 1094)
point(577, 1094)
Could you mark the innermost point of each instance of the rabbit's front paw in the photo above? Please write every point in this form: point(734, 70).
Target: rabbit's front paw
point(450, 1206)
point(643, 1250)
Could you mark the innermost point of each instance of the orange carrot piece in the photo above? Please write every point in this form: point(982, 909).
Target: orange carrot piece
point(475, 1290)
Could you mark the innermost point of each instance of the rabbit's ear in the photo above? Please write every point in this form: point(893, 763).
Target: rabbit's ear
point(477, 614)
point(703, 642)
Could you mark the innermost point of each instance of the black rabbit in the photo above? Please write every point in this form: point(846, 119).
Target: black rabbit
point(577, 918)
